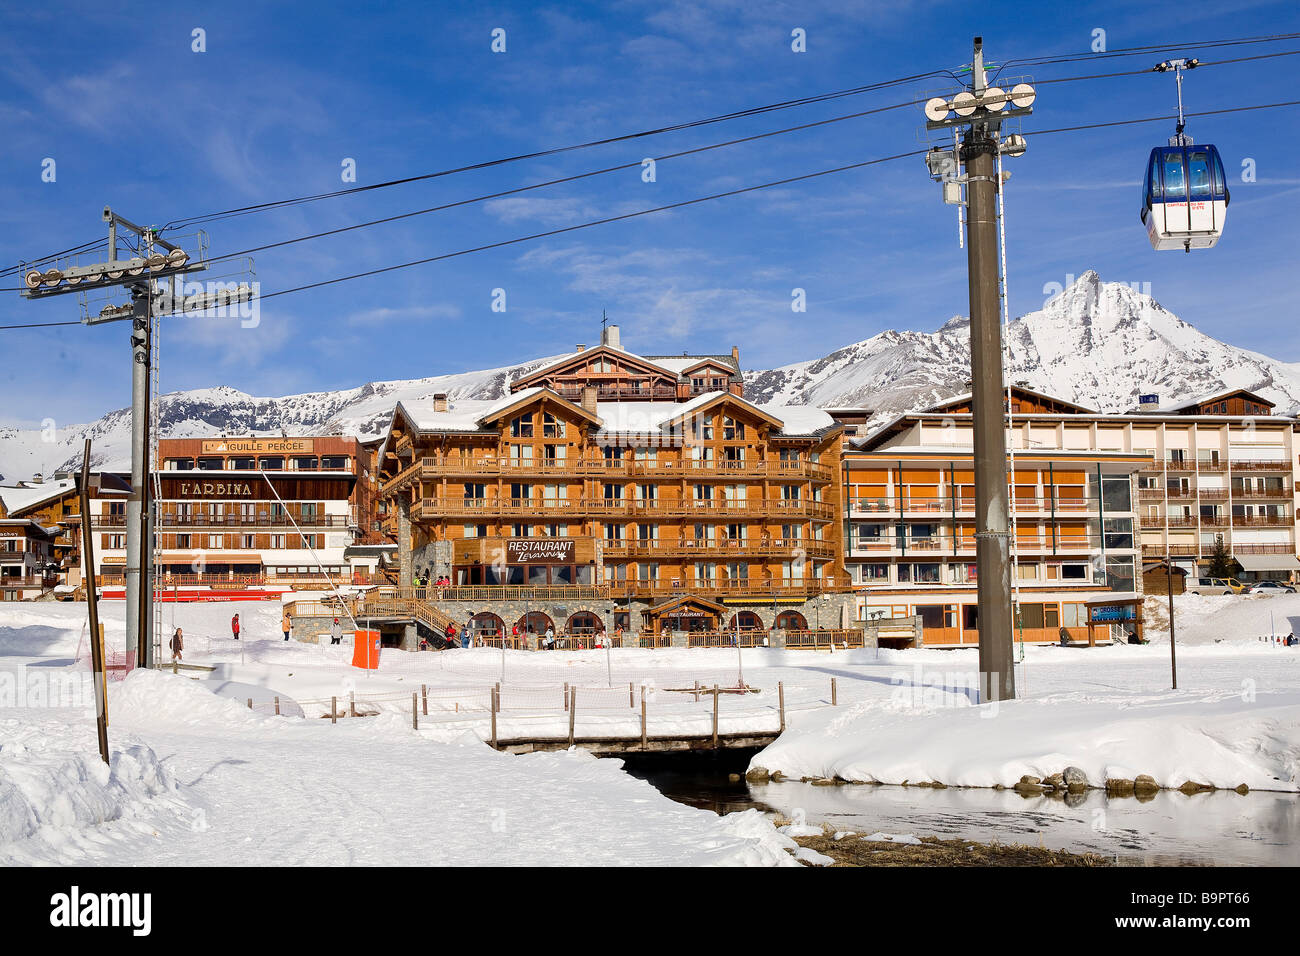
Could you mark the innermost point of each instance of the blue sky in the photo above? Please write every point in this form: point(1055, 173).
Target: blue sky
point(133, 117)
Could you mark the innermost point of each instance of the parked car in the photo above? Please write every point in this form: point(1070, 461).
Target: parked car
point(1236, 586)
point(1208, 586)
point(1272, 587)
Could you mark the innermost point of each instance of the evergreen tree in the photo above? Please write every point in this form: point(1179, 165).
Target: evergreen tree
point(1221, 563)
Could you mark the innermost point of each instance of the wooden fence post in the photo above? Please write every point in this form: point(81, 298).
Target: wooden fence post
point(697, 691)
point(573, 712)
point(631, 695)
point(566, 695)
point(780, 693)
point(277, 705)
point(834, 701)
point(334, 710)
point(715, 716)
point(495, 704)
point(250, 703)
point(424, 696)
point(352, 703)
point(643, 733)
point(415, 711)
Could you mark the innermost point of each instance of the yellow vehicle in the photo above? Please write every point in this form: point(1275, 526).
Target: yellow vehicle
point(1236, 586)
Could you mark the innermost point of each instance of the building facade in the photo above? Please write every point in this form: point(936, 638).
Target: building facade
point(648, 487)
point(247, 516)
point(910, 534)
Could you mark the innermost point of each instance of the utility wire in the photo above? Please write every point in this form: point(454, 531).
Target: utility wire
point(633, 165)
point(753, 111)
point(701, 199)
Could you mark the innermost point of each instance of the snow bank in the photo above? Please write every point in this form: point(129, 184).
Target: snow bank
point(53, 783)
point(1220, 739)
point(1228, 618)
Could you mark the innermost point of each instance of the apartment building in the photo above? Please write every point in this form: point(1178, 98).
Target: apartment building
point(910, 533)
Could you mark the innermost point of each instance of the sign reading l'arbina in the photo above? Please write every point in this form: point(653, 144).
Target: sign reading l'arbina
point(539, 551)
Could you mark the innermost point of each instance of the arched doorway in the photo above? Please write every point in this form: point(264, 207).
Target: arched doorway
point(486, 624)
point(534, 622)
point(746, 621)
point(791, 621)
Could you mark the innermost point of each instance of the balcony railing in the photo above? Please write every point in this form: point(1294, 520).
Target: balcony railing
point(1259, 464)
point(946, 505)
point(944, 544)
point(717, 549)
point(597, 508)
point(492, 466)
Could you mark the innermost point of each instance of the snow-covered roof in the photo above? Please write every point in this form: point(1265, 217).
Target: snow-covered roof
point(472, 415)
point(1217, 396)
point(29, 494)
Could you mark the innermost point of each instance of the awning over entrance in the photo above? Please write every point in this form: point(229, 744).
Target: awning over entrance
point(1268, 562)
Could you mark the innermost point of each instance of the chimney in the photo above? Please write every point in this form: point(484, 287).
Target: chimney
point(582, 348)
point(439, 401)
point(609, 336)
point(589, 398)
point(735, 355)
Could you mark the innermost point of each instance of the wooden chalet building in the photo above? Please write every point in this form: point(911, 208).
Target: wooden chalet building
point(610, 489)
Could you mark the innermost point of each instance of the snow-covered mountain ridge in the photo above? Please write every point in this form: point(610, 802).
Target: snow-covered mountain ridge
point(1099, 344)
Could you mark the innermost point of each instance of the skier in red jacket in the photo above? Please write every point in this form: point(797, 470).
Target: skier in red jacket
point(234, 626)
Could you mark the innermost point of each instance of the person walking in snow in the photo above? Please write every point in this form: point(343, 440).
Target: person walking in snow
point(286, 624)
point(177, 644)
point(234, 626)
point(336, 632)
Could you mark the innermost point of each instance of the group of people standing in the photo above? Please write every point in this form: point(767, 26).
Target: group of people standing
point(421, 585)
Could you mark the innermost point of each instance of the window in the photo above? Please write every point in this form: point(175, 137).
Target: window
point(1116, 495)
point(277, 541)
point(271, 463)
point(647, 572)
point(521, 455)
point(1026, 572)
point(520, 493)
point(703, 494)
point(210, 464)
point(520, 530)
point(180, 464)
point(732, 430)
point(305, 463)
point(613, 491)
point(919, 573)
point(613, 532)
point(1118, 532)
point(334, 462)
point(471, 531)
point(738, 572)
point(521, 427)
point(247, 542)
point(552, 427)
point(703, 429)
point(873, 572)
point(1074, 572)
point(215, 541)
point(243, 463)
point(182, 541)
point(705, 572)
point(555, 454)
point(1119, 573)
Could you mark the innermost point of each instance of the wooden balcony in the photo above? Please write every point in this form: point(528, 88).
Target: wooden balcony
point(544, 509)
point(718, 550)
point(1259, 464)
point(493, 467)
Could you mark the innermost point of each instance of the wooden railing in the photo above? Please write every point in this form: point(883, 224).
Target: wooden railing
point(514, 592)
point(941, 505)
point(718, 469)
point(597, 508)
point(717, 549)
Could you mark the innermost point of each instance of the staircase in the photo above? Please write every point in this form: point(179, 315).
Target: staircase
point(405, 603)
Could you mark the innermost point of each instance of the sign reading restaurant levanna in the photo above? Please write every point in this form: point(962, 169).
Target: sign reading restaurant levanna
point(254, 446)
point(539, 551)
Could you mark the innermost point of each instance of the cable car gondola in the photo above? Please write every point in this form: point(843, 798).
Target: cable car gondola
point(1185, 197)
point(1185, 192)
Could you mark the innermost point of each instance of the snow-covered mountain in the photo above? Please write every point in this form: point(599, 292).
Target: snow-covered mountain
point(1099, 344)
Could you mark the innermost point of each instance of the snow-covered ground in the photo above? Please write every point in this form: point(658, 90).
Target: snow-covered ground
point(199, 778)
